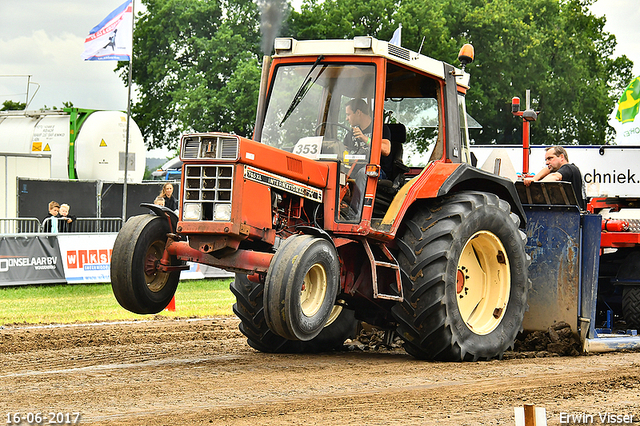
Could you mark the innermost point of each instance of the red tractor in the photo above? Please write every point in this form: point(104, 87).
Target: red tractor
point(325, 226)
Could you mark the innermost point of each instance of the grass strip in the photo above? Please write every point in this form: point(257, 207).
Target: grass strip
point(63, 304)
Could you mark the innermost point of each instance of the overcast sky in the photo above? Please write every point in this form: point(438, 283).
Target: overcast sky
point(44, 39)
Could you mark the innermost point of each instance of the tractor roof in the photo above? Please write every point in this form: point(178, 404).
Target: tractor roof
point(366, 46)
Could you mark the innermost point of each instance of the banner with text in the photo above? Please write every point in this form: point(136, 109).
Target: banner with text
point(87, 258)
point(30, 260)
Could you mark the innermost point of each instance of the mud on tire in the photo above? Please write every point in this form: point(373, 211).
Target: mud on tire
point(249, 307)
point(457, 244)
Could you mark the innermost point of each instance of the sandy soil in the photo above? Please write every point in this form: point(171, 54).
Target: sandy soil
point(202, 372)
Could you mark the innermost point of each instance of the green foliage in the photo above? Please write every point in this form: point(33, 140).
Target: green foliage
point(196, 68)
point(95, 302)
point(556, 48)
point(147, 173)
point(196, 62)
point(342, 19)
point(9, 105)
point(53, 108)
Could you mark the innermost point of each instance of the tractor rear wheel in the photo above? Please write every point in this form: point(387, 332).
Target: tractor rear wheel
point(465, 279)
point(137, 283)
point(631, 306)
point(301, 287)
point(249, 307)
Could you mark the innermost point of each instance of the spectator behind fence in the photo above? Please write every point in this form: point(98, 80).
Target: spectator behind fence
point(65, 220)
point(50, 222)
point(159, 201)
point(167, 193)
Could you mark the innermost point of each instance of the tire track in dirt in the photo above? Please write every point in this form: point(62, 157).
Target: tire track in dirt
point(202, 372)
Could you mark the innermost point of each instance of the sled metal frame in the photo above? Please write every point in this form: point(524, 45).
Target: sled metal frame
point(564, 244)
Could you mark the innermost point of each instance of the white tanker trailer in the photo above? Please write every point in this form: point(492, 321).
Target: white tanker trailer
point(83, 144)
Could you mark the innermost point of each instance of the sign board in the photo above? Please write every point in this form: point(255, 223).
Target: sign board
point(30, 260)
point(70, 258)
point(608, 171)
point(87, 257)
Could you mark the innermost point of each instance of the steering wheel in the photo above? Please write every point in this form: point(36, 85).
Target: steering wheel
point(329, 123)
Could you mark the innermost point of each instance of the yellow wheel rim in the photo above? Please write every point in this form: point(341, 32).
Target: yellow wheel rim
point(335, 313)
point(483, 282)
point(314, 289)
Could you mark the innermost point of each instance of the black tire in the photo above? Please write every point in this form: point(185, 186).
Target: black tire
point(138, 286)
point(249, 307)
point(441, 264)
point(631, 306)
point(301, 287)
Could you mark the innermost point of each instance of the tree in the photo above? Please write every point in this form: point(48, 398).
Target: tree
point(68, 104)
point(342, 19)
point(559, 51)
point(9, 105)
point(556, 48)
point(196, 67)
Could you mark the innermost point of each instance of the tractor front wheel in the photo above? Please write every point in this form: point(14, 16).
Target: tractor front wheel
point(249, 307)
point(137, 283)
point(301, 287)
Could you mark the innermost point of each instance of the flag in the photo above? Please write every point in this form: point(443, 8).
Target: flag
point(397, 36)
point(629, 102)
point(111, 39)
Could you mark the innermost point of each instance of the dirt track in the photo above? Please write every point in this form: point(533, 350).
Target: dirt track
point(180, 372)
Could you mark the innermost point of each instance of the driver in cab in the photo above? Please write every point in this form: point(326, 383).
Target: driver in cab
point(359, 138)
point(358, 141)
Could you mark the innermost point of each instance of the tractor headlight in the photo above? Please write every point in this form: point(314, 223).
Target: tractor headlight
point(222, 212)
point(192, 211)
point(282, 44)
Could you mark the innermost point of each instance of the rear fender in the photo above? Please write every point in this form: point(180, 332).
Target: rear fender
point(467, 177)
point(439, 179)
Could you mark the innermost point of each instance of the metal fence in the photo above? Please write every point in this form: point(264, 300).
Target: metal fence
point(97, 224)
point(19, 225)
point(82, 224)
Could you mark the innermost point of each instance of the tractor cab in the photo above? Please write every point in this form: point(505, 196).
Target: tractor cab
point(359, 110)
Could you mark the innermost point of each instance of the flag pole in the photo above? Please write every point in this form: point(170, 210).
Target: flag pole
point(126, 149)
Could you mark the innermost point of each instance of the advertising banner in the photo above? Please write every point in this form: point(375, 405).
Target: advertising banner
point(86, 257)
point(607, 170)
point(30, 260)
point(627, 122)
point(70, 258)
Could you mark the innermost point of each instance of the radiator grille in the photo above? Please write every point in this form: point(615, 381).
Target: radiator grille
point(294, 165)
point(190, 148)
point(209, 185)
point(209, 146)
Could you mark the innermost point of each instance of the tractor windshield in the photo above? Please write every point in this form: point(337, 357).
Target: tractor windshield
point(306, 111)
